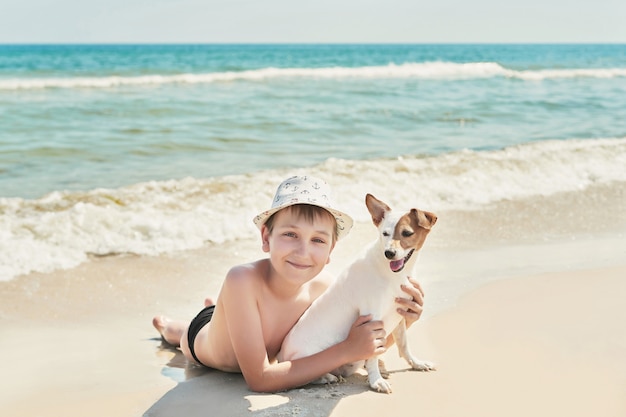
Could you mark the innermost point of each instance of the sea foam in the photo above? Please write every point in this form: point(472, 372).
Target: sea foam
point(425, 70)
point(62, 229)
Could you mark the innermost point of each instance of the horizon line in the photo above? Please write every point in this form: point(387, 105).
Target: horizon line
point(270, 43)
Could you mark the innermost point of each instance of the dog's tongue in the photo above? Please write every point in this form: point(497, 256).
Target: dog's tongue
point(396, 265)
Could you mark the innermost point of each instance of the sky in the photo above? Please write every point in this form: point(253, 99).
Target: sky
point(316, 21)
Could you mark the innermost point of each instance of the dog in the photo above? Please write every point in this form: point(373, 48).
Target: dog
point(367, 286)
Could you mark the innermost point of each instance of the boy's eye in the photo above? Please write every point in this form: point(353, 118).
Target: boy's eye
point(318, 240)
point(289, 234)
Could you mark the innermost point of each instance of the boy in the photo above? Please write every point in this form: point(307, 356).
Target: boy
point(259, 302)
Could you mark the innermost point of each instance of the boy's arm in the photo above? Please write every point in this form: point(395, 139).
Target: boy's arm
point(366, 338)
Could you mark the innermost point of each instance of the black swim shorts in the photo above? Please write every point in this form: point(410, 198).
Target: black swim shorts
point(196, 325)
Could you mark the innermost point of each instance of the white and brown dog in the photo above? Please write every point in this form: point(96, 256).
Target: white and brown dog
point(368, 286)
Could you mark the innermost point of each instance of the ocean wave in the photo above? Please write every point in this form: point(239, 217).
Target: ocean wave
point(62, 229)
point(426, 70)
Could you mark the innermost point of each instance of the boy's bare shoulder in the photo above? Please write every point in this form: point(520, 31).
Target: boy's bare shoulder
point(248, 272)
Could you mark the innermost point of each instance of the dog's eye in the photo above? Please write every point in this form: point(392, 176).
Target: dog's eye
point(407, 233)
point(386, 234)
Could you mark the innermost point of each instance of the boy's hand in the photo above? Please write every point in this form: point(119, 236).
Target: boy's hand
point(367, 338)
point(411, 310)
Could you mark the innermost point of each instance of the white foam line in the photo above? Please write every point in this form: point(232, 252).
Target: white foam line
point(426, 70)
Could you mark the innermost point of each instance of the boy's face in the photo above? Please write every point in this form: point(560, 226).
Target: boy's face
point(299, 249)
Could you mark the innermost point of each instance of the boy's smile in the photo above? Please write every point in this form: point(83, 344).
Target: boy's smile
point(298, 266)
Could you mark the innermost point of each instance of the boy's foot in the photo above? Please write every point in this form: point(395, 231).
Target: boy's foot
point(170, 331)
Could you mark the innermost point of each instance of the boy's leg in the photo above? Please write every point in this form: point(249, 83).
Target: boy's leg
point(171, 330)
point(175, 332)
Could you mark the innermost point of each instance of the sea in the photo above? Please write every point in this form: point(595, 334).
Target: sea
point(154, 149)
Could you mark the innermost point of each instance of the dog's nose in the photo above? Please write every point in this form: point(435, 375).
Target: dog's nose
point(390, 254)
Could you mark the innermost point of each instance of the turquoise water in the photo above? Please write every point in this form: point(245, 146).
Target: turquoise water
point(151, 149)
point(87, 116)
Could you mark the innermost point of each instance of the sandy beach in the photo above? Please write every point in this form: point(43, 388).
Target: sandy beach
point(130, 172)
point(518, 323)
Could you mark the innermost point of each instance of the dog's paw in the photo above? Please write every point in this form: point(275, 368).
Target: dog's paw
point(327, 379)
point(380, 385)
point(422, 366)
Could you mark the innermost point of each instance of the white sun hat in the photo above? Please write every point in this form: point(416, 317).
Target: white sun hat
point(302, 189)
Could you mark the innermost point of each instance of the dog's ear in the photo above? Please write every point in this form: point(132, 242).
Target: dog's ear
point(425, 219)
point(376, 208)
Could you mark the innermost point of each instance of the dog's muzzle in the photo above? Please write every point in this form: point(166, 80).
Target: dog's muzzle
point(397, 266)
